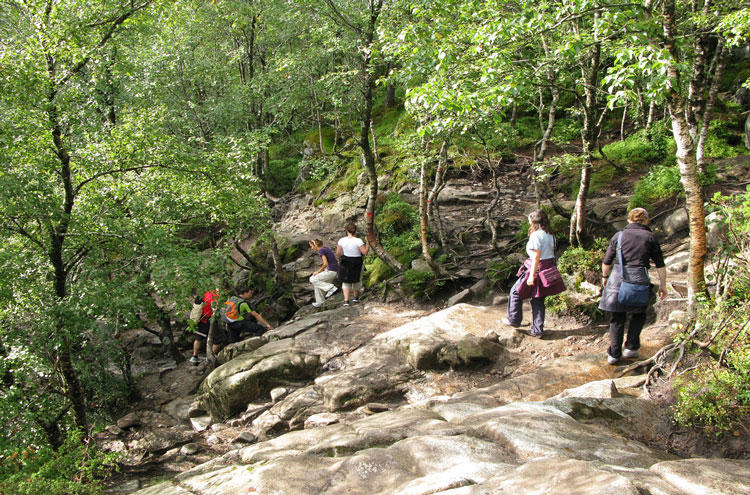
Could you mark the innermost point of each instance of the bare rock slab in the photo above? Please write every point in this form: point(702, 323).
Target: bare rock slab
point(707, 476)
point(168, 488)
point(553, 477)
point(537, 431)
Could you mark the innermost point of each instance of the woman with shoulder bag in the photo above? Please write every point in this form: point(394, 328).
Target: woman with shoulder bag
point(626, 288)
point(537, 278)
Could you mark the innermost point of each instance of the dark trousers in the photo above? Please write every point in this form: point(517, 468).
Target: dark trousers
point(515, 310)
point(617, 331)
point(236, 329)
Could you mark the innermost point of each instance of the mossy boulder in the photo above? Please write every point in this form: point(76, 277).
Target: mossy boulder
point(231, 386)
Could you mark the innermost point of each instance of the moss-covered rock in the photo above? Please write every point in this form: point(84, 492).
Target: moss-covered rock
point(247, 377)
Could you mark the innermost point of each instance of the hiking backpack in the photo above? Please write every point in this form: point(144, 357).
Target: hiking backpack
point(230, 311)
point(196, 313)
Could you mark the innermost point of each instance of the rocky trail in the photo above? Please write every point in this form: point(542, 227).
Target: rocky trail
point(387, 398)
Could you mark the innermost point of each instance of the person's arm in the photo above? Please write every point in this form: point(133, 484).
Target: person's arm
point(365, 248)
point(339, 251)
point(606, 270)
point(258, 317)
point(662, 272)
point(534, 266)
point(323, 267)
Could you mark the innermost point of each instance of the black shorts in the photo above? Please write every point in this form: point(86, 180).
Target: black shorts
point(220, 335)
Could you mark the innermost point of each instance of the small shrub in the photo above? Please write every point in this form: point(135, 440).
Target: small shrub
point(722, 142)
point(716, 398)
point(527, 131)
point(420, 283)
point(376, 272)
point(661, 182)
point(523, 231)
point(566, 130)
point(586, 262)
point(566, 305)
point(76, 468)
point(499, 271)
point(558, 223)
point(637, 150)
point(398, 224)
point(282, 175)
point(396, 216)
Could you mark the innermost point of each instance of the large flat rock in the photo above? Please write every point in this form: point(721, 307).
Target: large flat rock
point(536, 431)
point(707, 476)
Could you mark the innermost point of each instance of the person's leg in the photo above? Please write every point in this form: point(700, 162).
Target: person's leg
point(515, 305)
point(633, 341)
point(320, 293)
point(326, 281)
point(616, 332)
point(234, 331)
point(356, 288)
point(537, 313)
point(346, 289)
point(256, 329)
point(200, 337)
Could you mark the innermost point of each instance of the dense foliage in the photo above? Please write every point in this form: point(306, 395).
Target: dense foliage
point(715, 394)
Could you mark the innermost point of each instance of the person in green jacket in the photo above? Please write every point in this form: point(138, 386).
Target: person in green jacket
point(241, 317)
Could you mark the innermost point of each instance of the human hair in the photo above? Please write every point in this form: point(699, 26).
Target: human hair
point(243, 289)
point(538, 220)
point(638, 215)
point(317, 243)
point(351, 228)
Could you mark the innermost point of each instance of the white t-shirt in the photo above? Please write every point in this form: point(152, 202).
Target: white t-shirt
point(350, 246)
point(541, 241)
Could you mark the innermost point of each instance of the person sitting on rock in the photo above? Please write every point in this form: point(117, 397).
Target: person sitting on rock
point(240, 317)
point(322, 278)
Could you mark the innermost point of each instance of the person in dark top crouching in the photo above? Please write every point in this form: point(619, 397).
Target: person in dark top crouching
point(639, 246)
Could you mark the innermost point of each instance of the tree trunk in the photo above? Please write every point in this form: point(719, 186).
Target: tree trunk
point(375, 144)
point(433, 208)
point(686, 161)
point(390, 89)
point(368, 157)
point(212, 329)
point(590, 73)
point(651, 115)
point(278, 268)
point(423, 210)
point(697, 85)
point(166, 336)
point(491, 208)
point(57, 234)
point(540, 151)
point(73, 391)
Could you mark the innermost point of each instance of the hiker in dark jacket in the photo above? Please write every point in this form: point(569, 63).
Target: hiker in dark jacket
point(639, 246)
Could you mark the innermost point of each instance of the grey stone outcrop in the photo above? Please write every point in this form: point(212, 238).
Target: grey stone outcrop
point(562, 428)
